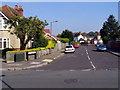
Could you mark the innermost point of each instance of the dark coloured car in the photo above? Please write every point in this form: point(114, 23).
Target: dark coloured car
point(101, 47)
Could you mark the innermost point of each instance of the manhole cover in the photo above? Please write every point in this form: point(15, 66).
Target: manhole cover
point(69, 81)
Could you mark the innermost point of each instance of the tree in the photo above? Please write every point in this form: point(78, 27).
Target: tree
point(39, 41)
point(25, 28)
point(59, 35)
point(91, 34)
point(110, 29)
point(84, 34)
point(67, 34)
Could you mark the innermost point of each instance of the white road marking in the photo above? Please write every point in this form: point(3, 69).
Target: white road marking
point(90, 59)
point(86, 70)
point(40, 70)
point(72, 70)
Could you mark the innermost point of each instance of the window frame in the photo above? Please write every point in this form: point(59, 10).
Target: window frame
point(2, 18)
point(5, 41)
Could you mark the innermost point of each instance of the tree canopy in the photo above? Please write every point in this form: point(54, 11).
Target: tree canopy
point(110, 29)
point(39, 41)
point(25, 28)
point(67, 34)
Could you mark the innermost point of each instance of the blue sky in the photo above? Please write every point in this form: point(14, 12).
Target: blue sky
point(74, 16)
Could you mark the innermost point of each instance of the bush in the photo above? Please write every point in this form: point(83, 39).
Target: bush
point(73, 42)
point(64, 40)
point(51, 44)
point(41, 42)
point(85, 42)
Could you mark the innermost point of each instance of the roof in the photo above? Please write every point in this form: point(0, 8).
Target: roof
point(9, 12)
point(76, 34)
point(47, 31)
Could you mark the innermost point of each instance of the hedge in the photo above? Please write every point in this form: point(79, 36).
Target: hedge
point(36, 49)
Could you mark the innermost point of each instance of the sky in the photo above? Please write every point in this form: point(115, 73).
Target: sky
point(73, 16)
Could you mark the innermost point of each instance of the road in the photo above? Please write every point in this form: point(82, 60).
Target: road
point(86, 68)
point(84, 58)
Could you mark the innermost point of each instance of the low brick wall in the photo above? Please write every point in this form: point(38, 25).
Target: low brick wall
point(26, 56)
point(114, 45)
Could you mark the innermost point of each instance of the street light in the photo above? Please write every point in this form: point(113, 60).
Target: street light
point(51, 26)
point(51, 34)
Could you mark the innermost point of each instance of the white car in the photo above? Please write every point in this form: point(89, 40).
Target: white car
point(69, 48)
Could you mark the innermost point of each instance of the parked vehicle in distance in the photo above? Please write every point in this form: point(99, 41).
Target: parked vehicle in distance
point(76, 45)
point(69, 49)
point(101, 47)
point(97, 45)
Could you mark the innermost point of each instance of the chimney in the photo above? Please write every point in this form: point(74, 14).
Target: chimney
point(16, 7)
point(20, 11)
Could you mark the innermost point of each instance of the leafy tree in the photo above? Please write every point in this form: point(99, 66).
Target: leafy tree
point(110, 29)
point(67, 34)
point(59, 35)
point(39, 41)
point(25, 28)
point(85, 34)
point(91, 34)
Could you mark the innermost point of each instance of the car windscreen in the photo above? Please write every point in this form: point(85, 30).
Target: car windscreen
point(102, 46)
point(68, 46)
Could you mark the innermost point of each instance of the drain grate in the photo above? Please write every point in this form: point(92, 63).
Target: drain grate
point(69, 81)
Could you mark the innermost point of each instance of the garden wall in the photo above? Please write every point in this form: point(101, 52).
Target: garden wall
point(32, 55)
point(114, 45)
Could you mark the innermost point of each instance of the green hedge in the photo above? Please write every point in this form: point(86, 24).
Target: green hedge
point(64, 40)
point(51, 44)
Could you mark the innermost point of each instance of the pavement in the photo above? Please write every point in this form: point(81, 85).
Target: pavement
point(24, 65)
point(44, 60)
point(117, 53)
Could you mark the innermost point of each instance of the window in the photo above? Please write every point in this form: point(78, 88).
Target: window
point(4, 43)
point(2, 23)
point(0, 42)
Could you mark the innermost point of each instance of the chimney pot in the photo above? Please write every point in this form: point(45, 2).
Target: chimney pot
point(16, 6)
point(20, 6)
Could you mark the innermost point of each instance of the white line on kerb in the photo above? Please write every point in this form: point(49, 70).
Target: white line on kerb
point(90, 59)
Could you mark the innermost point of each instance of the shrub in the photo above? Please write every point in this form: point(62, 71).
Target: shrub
point(85, 42)
point(51, 44)
point(40, 42)
point(64, 40)
point(73, 42)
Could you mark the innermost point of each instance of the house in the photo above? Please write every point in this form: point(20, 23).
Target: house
point(97, 39)
point(48, 35)
point(79, 37)
point(6, 39)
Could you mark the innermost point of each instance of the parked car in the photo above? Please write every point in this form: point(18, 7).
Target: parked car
point(69, 48)
point(76, 45)
point(97, 45)
point(101, 47)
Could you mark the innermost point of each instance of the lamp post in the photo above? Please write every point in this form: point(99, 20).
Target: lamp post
point(51, 26)
point(51, 34)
